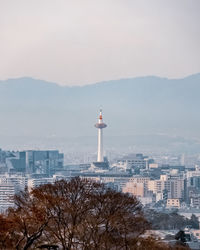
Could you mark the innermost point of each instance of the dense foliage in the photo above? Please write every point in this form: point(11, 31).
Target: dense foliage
point(170, 221)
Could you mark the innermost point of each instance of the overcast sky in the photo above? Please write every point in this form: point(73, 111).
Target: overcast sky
point(76, 42)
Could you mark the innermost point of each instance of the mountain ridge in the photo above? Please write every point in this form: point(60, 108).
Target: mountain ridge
point(141, 105)
point(28, 79)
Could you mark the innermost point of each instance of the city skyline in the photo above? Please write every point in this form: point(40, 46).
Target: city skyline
point(68, 70)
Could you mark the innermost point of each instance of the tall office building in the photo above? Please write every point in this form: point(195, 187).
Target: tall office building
point(35, 162)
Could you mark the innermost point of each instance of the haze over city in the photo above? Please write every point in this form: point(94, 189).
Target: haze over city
point(99, 124)
point(117, 43)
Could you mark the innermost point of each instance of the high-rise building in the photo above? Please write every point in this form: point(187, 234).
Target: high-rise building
point(35, 161)
point(173, 186)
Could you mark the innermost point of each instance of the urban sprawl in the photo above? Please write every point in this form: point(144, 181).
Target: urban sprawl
point(162, 182)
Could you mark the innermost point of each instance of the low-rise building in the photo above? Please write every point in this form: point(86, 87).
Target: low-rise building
point(173, 203)
point(134, 188)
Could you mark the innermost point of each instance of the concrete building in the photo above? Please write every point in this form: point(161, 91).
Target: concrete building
point(134, 188)
point(194, 181)
point(16, 162)
point(173, 203)
point(195, 200)
point(136, 162)
point(156, 186)
point(7, 191)
point(32, 161)
point(173, 186)
point(153, 165)
point(44, 162)
point(19, 181)
point(32, 183)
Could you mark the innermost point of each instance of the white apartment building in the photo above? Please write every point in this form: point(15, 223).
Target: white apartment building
point(32, 183)
point(7, 191)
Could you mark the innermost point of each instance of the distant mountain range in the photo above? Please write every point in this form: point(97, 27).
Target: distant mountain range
point(136, 106)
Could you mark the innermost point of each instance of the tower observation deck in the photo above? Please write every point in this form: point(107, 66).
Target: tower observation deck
point(100, 125)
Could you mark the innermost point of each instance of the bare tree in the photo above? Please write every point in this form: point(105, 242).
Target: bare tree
point(115, 221)
point(68, 203)
point(76, 214)
point(26, 222)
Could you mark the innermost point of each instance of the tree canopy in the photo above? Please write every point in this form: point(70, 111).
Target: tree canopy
point(170, 221)
point(75, 214)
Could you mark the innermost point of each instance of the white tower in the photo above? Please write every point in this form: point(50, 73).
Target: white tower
point(100, 125)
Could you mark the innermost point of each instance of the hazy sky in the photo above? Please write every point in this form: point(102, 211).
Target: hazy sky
point(85, 41)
